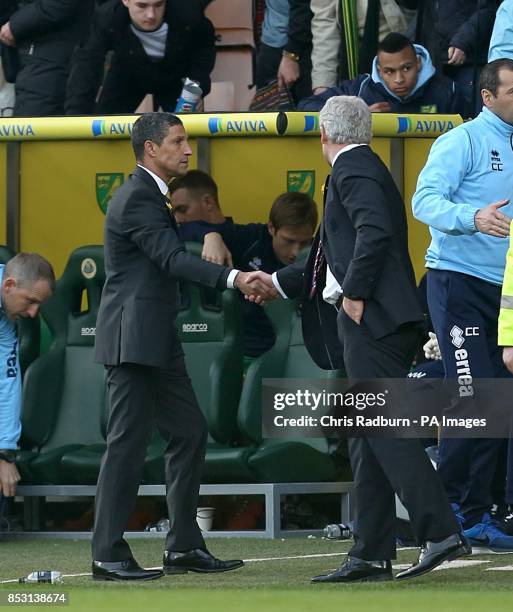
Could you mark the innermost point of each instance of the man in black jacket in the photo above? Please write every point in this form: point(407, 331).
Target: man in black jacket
point(369, 279)
point(137, 340)
point(457, 35)
point(45, 32)
point(155, 44)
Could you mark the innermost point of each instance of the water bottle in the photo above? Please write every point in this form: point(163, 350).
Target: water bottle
point(338, 531)
point(189, 98)
point(49, 576)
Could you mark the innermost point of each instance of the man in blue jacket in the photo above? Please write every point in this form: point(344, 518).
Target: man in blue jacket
point(403, 80)
point(26, 281)
point(463, 194)
point(501, 43)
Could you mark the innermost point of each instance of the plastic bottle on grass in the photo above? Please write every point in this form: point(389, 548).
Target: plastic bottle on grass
point(48, 576)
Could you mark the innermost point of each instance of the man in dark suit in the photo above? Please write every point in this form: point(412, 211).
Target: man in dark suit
point(137, 340)
point(368, 278)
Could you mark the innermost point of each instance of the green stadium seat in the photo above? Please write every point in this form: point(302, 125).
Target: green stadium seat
point(283, 460)
point(64, 393)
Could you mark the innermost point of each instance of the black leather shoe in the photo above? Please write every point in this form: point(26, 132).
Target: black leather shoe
point(123, 570)
point(358, 570)
point(435, 553)
point(196, 560)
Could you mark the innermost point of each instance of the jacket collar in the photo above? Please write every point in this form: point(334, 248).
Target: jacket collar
point(146, 178)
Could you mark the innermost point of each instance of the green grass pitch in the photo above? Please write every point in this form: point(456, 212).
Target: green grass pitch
point(268, 582)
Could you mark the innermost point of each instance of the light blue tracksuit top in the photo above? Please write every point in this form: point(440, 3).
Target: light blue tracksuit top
point(468, 168)
point(501, 43)
point(10, 381)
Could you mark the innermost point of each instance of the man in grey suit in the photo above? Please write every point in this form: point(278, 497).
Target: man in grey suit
point(137, 340)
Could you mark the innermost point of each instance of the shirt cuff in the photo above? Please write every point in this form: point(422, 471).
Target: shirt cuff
point(231, 279)
point(468, 220)
point(274, 277)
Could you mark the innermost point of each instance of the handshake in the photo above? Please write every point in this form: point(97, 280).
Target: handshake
point(257, 286)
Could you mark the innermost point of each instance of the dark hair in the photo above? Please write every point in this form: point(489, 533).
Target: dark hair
point(198, 181)
point(490, 74)
point(28, 268)
point(395, 42)
point(151, 126)
point(293, 208)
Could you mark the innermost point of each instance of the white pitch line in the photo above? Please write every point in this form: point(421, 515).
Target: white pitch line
point(504, 568)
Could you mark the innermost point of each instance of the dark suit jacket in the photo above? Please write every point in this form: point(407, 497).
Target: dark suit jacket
point(144, 260)
point(365, 240)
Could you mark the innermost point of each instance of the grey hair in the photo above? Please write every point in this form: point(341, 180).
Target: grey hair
point(346, 120)
point(28, 268)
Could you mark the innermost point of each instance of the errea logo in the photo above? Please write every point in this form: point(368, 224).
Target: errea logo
point(194, 328)
point(457, 336)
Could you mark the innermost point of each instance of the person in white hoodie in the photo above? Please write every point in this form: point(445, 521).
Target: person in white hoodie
point(403, 80)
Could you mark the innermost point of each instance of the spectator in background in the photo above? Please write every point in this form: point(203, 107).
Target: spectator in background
point(45, 32)
point(26, 281)
point(501, 43)
point(155, 45)
point(403, 80)
point(284, 53)
point(374, 19)
point(253, 246)
point(457, 36)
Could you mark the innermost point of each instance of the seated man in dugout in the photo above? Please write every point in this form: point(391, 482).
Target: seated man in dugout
point(252, 246)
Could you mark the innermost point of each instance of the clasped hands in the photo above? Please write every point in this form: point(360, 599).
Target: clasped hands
point(257, 287)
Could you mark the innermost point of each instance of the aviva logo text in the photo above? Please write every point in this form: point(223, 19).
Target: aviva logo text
point(405, 125)
point(218, 125)
point(101, 128)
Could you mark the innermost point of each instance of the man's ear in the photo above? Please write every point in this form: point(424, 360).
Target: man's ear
point(9, 283)
point(208, 201)
point(149, 148)
point(487, 96)
point(324, 136)
point(271, 229)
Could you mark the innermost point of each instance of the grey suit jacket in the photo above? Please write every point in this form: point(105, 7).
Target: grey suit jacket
point(144, 260)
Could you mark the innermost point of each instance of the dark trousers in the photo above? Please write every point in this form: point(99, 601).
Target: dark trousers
point(40, 86)
point(140, 398)
point(385, 466)
point(462, 302)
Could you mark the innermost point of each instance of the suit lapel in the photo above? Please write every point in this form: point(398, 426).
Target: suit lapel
point(140, 173)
